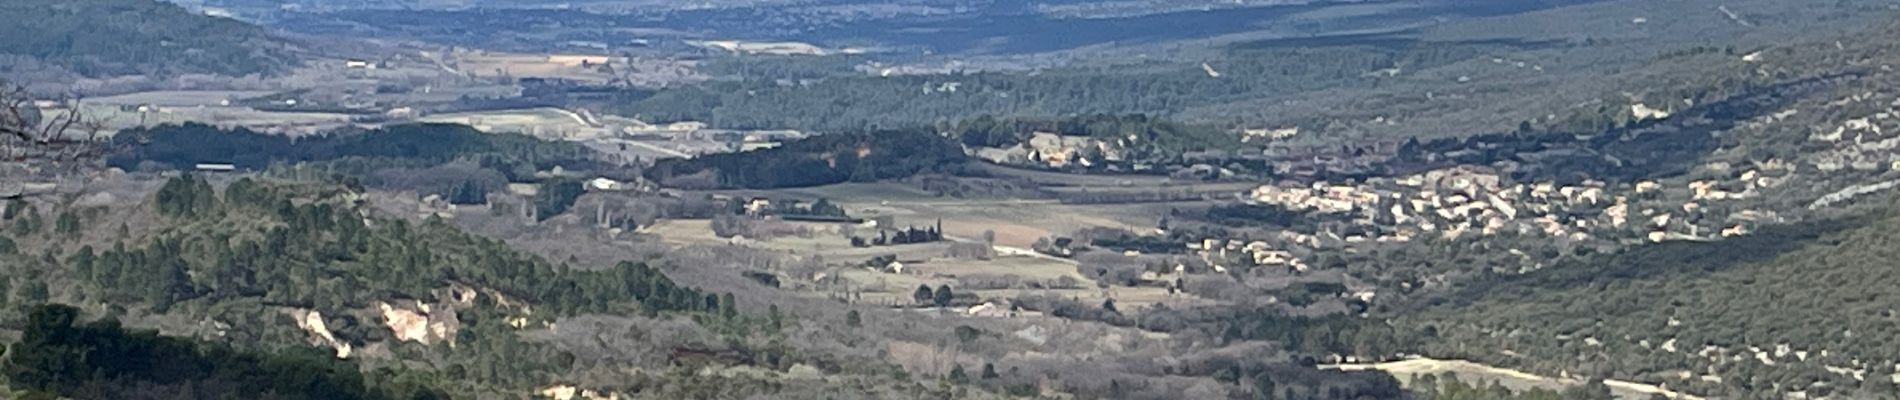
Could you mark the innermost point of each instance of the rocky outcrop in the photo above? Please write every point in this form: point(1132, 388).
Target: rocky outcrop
point(419, 324)
point(312, 321)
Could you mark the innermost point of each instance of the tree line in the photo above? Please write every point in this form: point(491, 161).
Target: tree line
point(814, 161)
point(185, 146)
point(911, 235)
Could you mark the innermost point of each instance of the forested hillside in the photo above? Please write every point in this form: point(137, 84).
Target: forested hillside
point(246, 255)
point(1808, 308)
point(1159, 88)
point(61, 355)
point(135, 37)
point(456, 162)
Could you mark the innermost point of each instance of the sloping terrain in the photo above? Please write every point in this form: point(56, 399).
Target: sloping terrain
point(1459, 78)
point(99, 38)
point(962, 27)
point(436, 305)
point(1804, 309)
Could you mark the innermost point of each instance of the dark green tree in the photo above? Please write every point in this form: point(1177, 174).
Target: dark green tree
point(67, 225)
point(967, 334)
point(468, 192)
point(943, 296)
point(774, 320)
point(728, 308)
point(922, 295)
point(556, 197)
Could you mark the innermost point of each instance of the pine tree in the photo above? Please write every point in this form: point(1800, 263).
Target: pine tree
point(774, 320)
point(1263, 386)
point(67, 225)
point(923, 295)
point(944, 296)
point(727, 307)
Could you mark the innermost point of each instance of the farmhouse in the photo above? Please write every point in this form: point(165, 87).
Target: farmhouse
point(757, 206)
point(215, 167)
point(604, 184)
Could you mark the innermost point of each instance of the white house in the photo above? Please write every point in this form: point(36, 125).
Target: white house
point(215, 167)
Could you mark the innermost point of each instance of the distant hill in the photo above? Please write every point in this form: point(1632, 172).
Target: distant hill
point(131, 37)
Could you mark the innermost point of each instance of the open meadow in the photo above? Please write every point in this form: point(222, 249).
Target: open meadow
point(113, 115)
point(1015, 222)
point(865, 275)
point(546, 122)
point(579, 67)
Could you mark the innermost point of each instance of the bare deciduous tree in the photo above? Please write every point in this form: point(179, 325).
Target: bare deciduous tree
point(27, 133)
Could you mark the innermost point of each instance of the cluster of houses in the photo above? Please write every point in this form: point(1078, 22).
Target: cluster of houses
point(821, 210)
point(1259, 252)
point(1051, 150)
point(1475, 201)
point(1861, 144)
point(1460, 201)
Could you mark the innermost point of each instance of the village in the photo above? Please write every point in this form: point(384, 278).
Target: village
point(1474, 201)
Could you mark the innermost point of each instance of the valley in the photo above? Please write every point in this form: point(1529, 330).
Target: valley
point(608, 199)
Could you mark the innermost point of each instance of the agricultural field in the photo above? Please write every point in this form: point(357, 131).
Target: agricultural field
point(615, 135)
point(1408, 372)
point(112, 115)
point(1059, 179)
point(547, 123)
point(179, 98)
point(1013, 271)
point(1016, 222)
point(997, 280)
point(579, 67)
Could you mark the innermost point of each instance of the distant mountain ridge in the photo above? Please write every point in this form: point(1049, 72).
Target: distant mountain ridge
point(98, 38)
